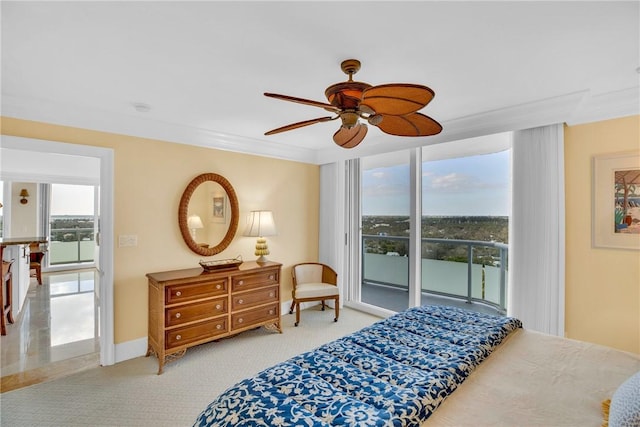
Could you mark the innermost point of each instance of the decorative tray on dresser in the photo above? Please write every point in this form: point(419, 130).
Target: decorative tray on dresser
point(191, 307)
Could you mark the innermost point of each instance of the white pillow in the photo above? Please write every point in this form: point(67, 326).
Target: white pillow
point(624, 410)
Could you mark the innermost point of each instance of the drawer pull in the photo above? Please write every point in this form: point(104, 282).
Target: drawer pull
point(178, 337)
point(218, 286)
point(271, 311)
point(218, 307)
point(218, 326)
point(272, 294)
point(240, 282)
point(271, 277)
point(240, 320)
point(178, 315)
point(240, 301)
point(178, 293)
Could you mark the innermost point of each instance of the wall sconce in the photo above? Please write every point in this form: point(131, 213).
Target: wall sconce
point(194, 222)
point(24, 194)
point(260, 224)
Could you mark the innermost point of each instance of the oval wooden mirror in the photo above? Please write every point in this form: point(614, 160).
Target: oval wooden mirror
point(208, 214)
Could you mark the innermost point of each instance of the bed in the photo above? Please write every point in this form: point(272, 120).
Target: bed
point(426, 367)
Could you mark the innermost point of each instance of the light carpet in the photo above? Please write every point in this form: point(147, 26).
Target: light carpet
point(131, 394)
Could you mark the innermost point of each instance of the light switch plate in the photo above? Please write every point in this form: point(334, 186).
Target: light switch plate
point(127, 240)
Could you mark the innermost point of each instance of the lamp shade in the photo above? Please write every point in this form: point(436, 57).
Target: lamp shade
point(194, 221)
point(24, 193)
point(260, 224)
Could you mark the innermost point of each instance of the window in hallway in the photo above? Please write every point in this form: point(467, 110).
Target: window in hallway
point(71, 224)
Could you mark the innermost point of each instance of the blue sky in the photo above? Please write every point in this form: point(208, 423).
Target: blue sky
point(477, 185)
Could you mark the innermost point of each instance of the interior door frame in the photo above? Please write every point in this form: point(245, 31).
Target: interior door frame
point(105, 261)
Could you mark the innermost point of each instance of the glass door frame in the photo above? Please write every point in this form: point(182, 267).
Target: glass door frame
point(46, 226)
point(353, 224)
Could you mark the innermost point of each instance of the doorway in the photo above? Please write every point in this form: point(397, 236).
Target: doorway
point(32, 160)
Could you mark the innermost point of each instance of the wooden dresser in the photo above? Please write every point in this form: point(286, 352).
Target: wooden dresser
point(191, 307)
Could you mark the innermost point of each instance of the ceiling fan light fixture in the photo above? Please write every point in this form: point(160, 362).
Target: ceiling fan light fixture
point(349, 119)
point(367, 110)
point(374, 120)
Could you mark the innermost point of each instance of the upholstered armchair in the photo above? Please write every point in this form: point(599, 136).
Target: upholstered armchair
point(314, 281)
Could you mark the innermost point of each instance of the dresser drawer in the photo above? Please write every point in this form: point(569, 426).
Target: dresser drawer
point(253, 298)
point(195, 311)
point(201, 331)
point(255, 316)
point(192, 291)
point(257, 280)
point(190, 307)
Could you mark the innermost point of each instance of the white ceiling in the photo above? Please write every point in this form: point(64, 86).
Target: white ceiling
point(203, 66)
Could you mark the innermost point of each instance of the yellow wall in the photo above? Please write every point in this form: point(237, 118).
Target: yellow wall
point(150, 177)
point(602, 285)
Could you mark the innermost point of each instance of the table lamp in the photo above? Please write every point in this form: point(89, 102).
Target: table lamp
point(260, 224)
point(194, 222)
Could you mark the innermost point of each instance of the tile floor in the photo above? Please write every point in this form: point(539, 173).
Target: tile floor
point(58, 322)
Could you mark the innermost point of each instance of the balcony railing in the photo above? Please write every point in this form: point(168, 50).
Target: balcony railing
point(71, 246)
point(474, 271)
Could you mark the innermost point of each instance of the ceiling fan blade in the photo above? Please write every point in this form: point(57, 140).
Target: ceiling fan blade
point(300, 124)
point(415, 124)
point(350, 137)
point(324, 105)
point(397, 99)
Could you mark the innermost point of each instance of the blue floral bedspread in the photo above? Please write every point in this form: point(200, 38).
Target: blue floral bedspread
point(395, 372)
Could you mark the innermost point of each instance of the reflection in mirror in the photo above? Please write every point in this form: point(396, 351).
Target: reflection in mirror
point(208, 214)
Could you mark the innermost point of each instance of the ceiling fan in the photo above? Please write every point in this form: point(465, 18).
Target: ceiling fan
point(391, 107)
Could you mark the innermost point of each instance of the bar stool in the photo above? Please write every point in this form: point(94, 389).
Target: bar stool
point(6, 295)
point(35, 260)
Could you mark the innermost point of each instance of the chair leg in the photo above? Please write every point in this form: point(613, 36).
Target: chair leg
point(3, 328)
point(297, 314)
point(322, 305)
point(8, 302)
point(337, 309)
point(39, 274)
point(293, 304)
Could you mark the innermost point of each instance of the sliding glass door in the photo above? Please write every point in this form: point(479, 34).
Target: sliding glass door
point(465, 226)
point(71, 224)
point(385, 204)
point(433, 226)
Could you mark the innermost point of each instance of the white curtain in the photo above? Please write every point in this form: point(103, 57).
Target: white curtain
point(537, 230)
point(332, 208)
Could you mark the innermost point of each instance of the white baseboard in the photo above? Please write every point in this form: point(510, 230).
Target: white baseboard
point(130, 349)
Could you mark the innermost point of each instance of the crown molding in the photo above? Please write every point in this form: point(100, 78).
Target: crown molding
point(611, 105)
point(104, 121)
point(572, 108)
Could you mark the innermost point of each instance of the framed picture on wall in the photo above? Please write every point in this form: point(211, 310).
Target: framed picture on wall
point(616, 200)
point(219, 211)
